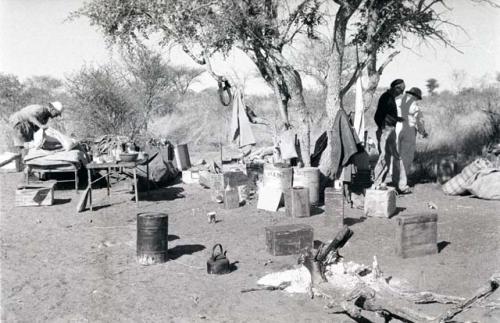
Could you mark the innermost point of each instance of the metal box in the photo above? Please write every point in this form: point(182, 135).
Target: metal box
point(289, 239)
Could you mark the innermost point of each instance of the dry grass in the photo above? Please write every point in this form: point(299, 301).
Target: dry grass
point(460, 127)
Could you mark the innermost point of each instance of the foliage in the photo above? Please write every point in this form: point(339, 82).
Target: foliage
point(101, 103)
point(213, 25)
point(12, 95)
point(150, 81)
point(122, 99)
point(460, 125)
point(396, 20)
point(260, 28)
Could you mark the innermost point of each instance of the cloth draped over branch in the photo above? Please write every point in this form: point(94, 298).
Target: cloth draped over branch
point(241, 130)
point(344, 144)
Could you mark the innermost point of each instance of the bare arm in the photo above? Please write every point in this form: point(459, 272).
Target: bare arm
point(419, 121)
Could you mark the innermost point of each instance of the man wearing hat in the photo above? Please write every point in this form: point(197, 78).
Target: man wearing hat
point(30, 119)
point(406, 132)
point(386, 118)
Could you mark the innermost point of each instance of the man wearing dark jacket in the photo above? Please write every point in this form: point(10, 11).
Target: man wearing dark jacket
point(386, 118)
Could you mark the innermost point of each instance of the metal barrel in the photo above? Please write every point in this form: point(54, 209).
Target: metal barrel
point(277, 177)
point(308, 177)
point(152, 238)
point(182, 157)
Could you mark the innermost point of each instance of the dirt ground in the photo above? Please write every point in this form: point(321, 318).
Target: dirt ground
point(61, 266)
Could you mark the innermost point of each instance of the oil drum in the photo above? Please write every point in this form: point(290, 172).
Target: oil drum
point(152, 238)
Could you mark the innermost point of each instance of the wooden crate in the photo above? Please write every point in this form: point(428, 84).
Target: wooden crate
point(190, 176)
point(210, 180)
point(297, 202)
point(216, 181)
point(334, 206)
point(289, 239)
point(36, 194)
point(231, 198)
point(416, 235)
point(380, 203)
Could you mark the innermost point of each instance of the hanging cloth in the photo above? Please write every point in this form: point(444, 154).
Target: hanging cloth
point(241, 130)
point(359, 112)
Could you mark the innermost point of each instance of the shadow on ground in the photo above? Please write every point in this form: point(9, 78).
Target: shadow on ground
point(352, 221)
point(316, 211)
point(181, 250)
point(172, 237)
point(398, 210)
point(61, 201)
point(442, 244)
point(163, 194)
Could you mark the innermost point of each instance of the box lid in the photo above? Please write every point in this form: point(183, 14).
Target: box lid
point(289, 228)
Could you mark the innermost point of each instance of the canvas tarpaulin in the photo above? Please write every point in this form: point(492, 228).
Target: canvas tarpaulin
point(485, 184)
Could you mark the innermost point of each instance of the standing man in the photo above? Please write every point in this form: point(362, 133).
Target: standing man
point(406, 133)
point(30, 119)
point(386, 118)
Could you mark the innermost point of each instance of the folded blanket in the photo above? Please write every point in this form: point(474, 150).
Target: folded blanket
point(40, 157)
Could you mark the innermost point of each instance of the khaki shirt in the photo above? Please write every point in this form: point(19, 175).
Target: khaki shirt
point(35, 114)
point(411, 112)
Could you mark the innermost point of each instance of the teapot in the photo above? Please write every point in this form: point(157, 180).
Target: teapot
point(218, 263)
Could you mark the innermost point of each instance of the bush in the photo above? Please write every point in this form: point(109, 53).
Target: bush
point(459, 125)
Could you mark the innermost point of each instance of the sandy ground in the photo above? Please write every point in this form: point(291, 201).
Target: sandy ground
point(61, 266)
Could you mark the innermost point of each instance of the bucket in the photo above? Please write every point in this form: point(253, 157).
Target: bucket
point(308, 177)
point(152, 237)
point(182, 157)
point(277, 176)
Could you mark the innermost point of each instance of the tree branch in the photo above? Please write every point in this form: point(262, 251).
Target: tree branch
point(354, 77)
point(387, 61)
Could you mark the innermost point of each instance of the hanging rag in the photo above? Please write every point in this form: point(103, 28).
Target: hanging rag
point(344, 142)
point(359, 111)
point(288, 144)
point(241, 130)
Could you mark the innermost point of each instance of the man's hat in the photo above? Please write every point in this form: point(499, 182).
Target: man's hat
point(396, 82)
point(415, 91)
point(56, 106)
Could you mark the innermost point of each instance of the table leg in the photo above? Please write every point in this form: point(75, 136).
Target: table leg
point(135, 187)
point(147, 177)
point(76, 181)
point(90, 188)
point(107, 179)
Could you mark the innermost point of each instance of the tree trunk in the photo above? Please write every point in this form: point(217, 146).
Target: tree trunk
point(334, 81)
point(294, 84)
point(287, 84)
point(373, 80)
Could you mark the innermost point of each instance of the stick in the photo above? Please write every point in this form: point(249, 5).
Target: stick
point(365, 298)
point(281, 286)
point(481, 293)
point(429, 297)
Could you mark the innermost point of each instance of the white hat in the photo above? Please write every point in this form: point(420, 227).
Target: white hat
point(57, 106)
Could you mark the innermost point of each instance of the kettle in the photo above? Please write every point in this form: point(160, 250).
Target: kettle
point(218, 264)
